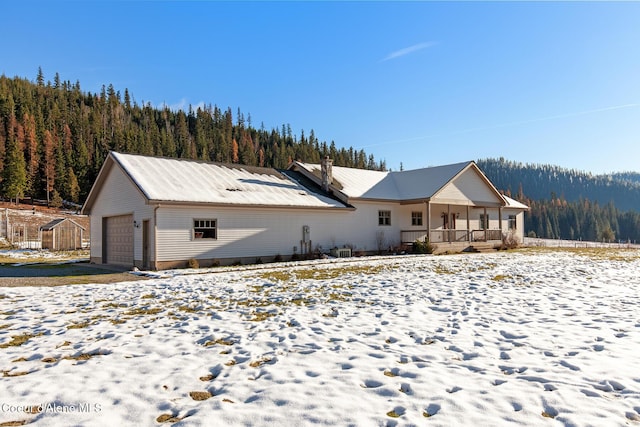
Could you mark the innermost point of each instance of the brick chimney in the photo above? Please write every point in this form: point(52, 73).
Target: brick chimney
point(327, 173)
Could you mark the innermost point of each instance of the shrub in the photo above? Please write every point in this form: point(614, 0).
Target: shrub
point(277, 258)
point(509, 241)
point(193, 263)
point(420, 247)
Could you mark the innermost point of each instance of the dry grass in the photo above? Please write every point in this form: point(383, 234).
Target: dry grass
point(15, 423)
point(599, 254)
point(85, 356)
point(218, 341)
point(60, 256)
point(18, 340)
point(200, 395)
point(168, 418)
point(321, 272)
point(15, 374)
point(144, 311)
point(79, 325)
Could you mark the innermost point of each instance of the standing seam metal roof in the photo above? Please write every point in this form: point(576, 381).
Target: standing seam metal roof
point(189, 181)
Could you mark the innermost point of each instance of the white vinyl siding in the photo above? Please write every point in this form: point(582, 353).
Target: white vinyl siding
point(263, 232)
point(469, 186)
point(118, 196)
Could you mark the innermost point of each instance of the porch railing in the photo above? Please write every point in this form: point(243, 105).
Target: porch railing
point(413, 235)
point(486, 235)
point(441, 236)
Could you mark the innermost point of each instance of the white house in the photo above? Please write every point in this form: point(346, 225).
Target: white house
point(156, 213)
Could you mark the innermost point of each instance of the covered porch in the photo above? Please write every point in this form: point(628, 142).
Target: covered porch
point(455, 223)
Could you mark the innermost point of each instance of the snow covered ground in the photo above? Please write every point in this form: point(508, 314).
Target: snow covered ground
point(527, 338)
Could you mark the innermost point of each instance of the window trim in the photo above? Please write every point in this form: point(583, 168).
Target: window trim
point(484, 220)
point(200, 227)
point(416, 218)
point(384, 218)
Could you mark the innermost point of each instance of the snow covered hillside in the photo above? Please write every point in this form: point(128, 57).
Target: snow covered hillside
point(528, 338)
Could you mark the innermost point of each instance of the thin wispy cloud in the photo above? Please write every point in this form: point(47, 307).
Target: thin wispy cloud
point(509, 124)
point(408, 50)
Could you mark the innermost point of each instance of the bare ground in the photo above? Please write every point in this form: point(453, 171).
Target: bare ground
point(62, 274)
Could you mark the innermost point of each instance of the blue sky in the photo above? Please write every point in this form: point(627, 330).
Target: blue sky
point(417, 83)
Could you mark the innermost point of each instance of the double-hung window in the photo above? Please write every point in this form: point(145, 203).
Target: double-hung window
point(416, 218)
point(384, 217)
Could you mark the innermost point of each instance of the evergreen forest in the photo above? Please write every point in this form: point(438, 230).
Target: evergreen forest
point(54, 138)
point(571, 204)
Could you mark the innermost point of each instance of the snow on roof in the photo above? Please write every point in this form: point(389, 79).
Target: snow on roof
point(54, 223)
point(180, 180)
point(402, 185)
point(514, 203)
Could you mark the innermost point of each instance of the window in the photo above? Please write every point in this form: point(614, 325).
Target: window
point(449, 221)
point(205, 228)
point(416, 218)
point(484, 221)
point(512, 222)
point(384, 217)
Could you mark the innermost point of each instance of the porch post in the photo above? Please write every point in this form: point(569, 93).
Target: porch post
point(485, 223)
point(428, 220)
point(468, 225)
point(449, 222)
point(500, 217)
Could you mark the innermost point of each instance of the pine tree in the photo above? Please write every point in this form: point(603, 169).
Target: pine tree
point(49, 164)
point(14, 172)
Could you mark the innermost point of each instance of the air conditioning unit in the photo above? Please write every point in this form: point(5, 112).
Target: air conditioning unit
point(341, 252)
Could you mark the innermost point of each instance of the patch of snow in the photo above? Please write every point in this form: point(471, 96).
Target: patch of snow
point(480, 339)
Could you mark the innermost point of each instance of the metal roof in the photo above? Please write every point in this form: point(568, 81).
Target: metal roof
point(191, 181)
point(395, 186)
point(56, 222)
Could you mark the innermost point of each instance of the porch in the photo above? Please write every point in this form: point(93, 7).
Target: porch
point(451, 236)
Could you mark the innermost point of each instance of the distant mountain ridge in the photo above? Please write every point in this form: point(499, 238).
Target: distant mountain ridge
point(544, 181)
point(630, 177)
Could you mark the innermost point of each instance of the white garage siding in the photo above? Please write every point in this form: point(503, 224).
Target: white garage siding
point(118, 196)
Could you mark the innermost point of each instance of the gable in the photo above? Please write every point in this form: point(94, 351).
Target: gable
point(469, 187)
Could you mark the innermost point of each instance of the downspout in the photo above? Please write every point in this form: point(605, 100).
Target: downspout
point(155, 237)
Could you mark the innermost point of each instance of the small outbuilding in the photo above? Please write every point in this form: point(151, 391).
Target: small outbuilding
point(62, 234)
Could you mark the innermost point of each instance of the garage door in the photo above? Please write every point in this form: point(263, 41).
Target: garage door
point(118, 239)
